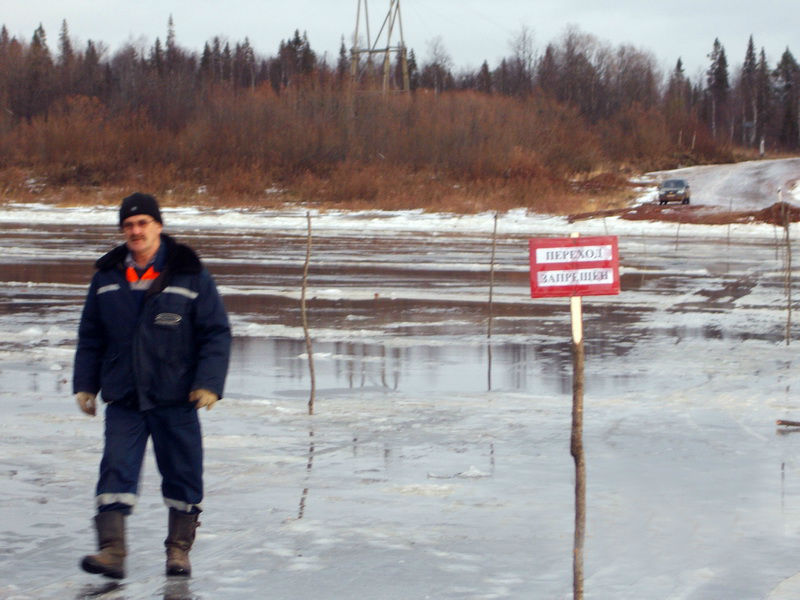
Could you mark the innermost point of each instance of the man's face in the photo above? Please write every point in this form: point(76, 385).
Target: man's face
point(142, 235)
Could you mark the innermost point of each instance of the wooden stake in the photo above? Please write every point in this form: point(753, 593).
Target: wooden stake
point(575, 309)
point(491, 305)
point(576, 448)
point(788, 276)
point(304, 316)
point(576, 445)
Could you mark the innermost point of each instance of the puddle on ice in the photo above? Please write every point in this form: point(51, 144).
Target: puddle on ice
point(281, 365)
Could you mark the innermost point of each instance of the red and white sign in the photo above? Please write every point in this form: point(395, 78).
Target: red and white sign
point(575, 266)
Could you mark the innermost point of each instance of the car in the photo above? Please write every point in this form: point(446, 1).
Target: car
point(676, 190)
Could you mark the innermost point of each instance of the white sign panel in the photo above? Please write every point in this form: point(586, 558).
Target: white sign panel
point(574, 254)
point(575, 277)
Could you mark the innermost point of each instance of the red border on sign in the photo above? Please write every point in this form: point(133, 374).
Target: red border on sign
point(584, 266)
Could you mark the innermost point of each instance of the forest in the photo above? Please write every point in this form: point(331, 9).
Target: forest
point(555, 130)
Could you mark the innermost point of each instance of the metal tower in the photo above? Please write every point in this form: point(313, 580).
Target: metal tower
point(381, 46)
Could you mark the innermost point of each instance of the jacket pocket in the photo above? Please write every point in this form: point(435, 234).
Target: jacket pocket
point(171, 348)
point(171, 337)
point(116, 376)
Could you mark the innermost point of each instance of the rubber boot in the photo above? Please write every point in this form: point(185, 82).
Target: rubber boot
point(179, 541)
point(110, 560)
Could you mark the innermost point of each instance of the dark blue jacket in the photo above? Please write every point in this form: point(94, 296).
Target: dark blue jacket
point(177, 341)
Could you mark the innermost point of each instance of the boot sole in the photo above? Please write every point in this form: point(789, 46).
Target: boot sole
point(91, 566)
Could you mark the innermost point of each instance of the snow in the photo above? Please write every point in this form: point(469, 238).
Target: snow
point(413, 479)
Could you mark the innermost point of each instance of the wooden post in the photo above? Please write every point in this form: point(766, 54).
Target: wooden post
point(788, 275)
point(491, 304)
point(575, 268)
point(576, 445)
point(304, 316)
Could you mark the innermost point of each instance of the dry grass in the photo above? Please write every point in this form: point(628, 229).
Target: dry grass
point(347, 186)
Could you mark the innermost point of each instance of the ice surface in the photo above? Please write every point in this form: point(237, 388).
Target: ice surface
point(414, 479)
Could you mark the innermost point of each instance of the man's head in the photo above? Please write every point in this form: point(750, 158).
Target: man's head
point(139, 204)
point(140, 222)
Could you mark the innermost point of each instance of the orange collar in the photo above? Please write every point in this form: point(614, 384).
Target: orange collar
point(132, 276)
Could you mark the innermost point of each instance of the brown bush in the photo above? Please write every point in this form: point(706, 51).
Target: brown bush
point(465, 150)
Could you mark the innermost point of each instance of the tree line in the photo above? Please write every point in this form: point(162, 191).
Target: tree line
point(578, 106)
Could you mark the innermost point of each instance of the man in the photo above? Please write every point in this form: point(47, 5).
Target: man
point(154, 340)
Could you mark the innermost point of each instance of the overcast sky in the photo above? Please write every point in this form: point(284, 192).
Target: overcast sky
point(470, 31)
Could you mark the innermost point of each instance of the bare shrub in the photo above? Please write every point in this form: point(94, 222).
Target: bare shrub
point(459, 151)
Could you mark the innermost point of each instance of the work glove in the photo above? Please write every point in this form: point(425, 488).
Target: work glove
point(203, 397)
point(86, 401)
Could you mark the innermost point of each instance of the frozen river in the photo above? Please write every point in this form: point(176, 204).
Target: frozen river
point(427, 471)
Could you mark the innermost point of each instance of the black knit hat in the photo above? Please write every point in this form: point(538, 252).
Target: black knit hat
point(139, 204)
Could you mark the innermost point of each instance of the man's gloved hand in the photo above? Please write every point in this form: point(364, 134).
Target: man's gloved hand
point(86, 400)
point(203, 398)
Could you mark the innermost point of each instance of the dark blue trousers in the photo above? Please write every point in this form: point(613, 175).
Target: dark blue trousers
point(178, 446)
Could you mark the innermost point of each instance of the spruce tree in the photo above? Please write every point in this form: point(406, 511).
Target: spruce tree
point(717, 87)
point(787, 85)
point(677, 100)
point(36, 92)
point(764, 96)
point(342, 64)
point(66, 62)
point(749, 93)
point(484, 80)
point(548, 72)
point(413, 70)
